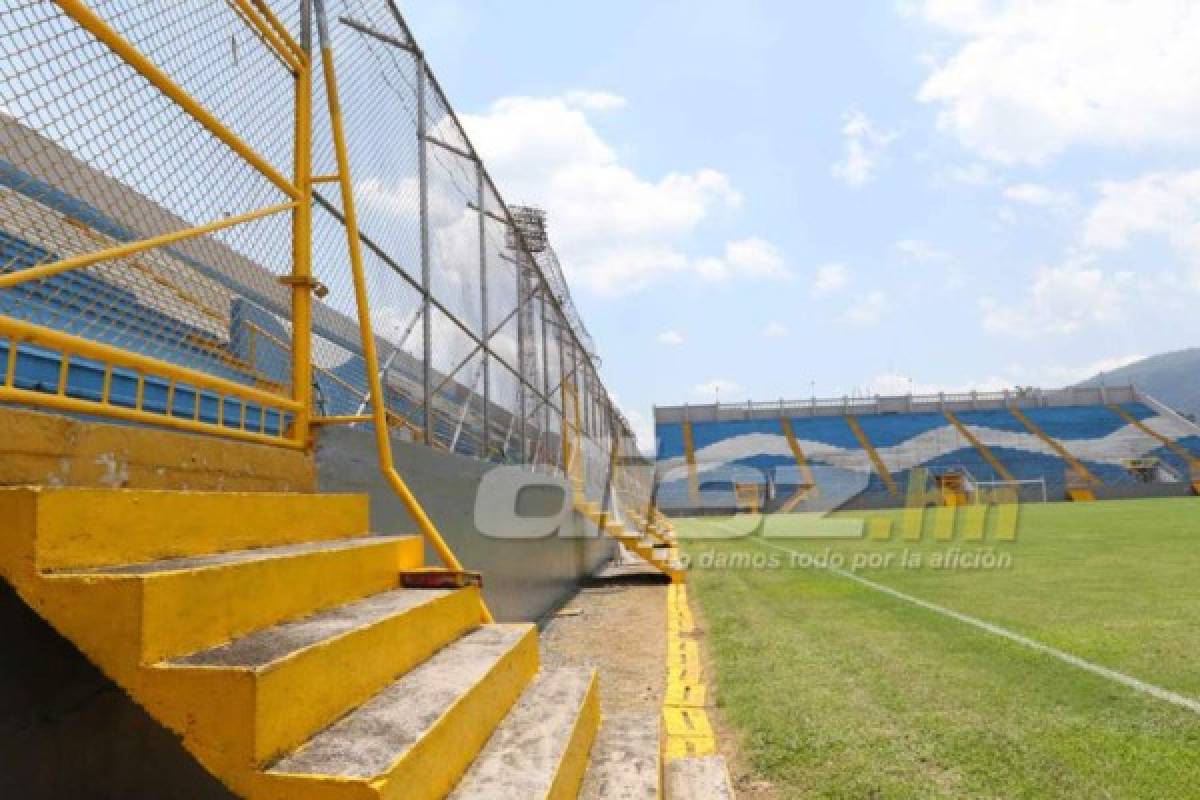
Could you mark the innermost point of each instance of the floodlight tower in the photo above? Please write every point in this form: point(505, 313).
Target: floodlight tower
point(527, 238)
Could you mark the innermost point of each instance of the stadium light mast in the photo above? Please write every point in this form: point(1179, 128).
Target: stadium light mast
point(528, 234)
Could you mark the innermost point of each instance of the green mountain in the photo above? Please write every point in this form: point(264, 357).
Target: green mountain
point(1172, 378)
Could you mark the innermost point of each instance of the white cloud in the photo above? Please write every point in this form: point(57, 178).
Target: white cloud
point(719, 387)
point(1030, 79)
point(865, 147)
point(775, 330)
point(615, 230)
point(921, 251)
point(753, 257)
point(594, 101)
point(1089, 288)
point(895, 383)
point(867, 311)
point(1035, 194)
point(928, 256)
point(1062, 300)
point(1010, 376)
point(671, 338)
point(829, 279)
point(1164, 205)
point(1065, 375)
point(642, 426)
point(974, 174)
point(404, 199)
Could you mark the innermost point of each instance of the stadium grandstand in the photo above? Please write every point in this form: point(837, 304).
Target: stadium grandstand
point(1042, 445)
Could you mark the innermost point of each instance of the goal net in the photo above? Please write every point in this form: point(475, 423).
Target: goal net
point(1001, 491)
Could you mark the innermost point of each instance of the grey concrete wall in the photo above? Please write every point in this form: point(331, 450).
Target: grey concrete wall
point(523, 579)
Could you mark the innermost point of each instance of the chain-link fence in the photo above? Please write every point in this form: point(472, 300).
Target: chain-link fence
point(96, 159)
point(480, 347)
point(481, 350)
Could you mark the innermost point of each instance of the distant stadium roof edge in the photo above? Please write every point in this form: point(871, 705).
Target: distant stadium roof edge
point(903, 404)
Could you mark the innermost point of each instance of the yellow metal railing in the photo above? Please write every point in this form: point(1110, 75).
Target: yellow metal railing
point(293, 407)
point(370, 354)
point(248, 413)
point(69, 347)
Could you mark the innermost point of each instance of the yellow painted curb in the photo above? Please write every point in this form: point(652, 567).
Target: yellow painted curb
point(687, 731)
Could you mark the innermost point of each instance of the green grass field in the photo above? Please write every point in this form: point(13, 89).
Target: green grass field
point(837, 688)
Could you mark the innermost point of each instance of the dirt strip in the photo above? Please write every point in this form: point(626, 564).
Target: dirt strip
point(617, 626)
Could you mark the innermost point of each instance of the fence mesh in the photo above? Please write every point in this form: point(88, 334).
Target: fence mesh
point(93, 156)
point(481, 349)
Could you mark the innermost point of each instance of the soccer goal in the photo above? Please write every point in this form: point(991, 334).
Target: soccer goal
point(993, 491)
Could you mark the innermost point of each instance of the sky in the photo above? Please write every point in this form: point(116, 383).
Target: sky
point(770, 199)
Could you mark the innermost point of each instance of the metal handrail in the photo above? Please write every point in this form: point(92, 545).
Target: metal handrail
point(370, 354)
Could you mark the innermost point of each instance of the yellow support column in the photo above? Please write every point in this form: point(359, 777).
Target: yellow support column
point(689, 453)
point(982, 448)
point(798, 454)
point(1078, 466)
point(1175, 447)
point(302, 278)
point(880, 468)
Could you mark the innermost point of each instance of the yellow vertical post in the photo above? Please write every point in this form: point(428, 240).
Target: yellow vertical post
point(689, 453)
point(565, 436)
point(302, 276)
point(370, 353)
point(580, 467)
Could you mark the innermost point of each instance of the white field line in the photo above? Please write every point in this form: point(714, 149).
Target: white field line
point(1166, 695)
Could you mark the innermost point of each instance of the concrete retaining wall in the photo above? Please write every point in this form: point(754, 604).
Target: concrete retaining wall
point(50, 449)
point(523, 580)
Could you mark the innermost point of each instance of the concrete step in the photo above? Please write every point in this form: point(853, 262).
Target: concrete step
point(666, 554)
point(335, 659)
point(75, 528)
point(672, 567)
point(699, 778)
point(625, 762)
point(540, 750)
point(417, 736)
point(178, 606)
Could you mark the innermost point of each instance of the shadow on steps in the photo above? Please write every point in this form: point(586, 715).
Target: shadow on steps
point(67, 731)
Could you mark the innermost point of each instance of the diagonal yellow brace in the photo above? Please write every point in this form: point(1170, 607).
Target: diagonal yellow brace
point(94, 24)
point(383, 440)
point(1066, 455)
point(285, 35)
point(1174, 446)
point(880, 468)
point(979, 446)
point(133, 248)
point(268, 33)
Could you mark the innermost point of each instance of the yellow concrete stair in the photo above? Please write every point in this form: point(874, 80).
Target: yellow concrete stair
point(650, 542)
point(270, 632)
point(541, 750)
point(664, 556)
point(626, 762)
point(417, 737)
point(335, 660)
point(655, 547)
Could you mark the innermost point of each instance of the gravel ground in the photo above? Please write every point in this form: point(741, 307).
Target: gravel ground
point(621, 629)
